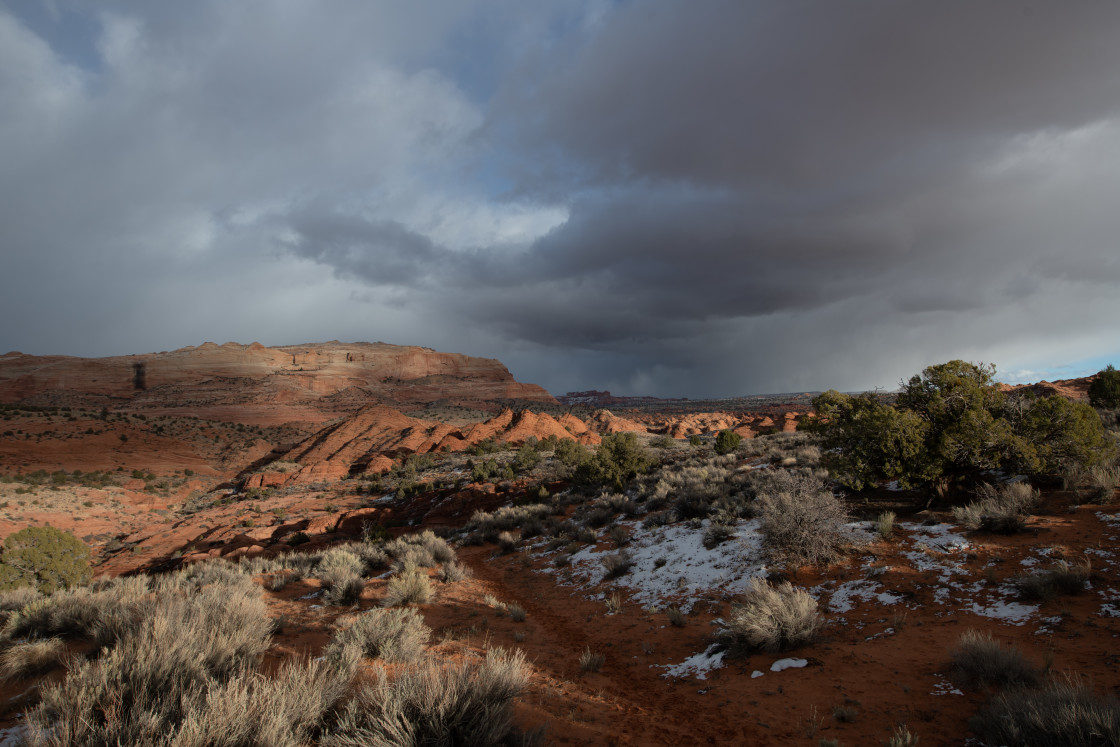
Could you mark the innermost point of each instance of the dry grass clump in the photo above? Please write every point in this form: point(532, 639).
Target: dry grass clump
point(389, 634)
point(431, 704)
point(772, 618)
point(980, 660)
point(717, 533)
point(591, 661)
point(1103, 482)
point(884, 524)
point(410, 586)
point(617, 564)
point(901, 737)
point(1002, 510)
point(1061, 714)
point(26, 658)
point(677, 618)
point(452, 572)
point(1062, 577)
point(516, 612)
point(803, 522)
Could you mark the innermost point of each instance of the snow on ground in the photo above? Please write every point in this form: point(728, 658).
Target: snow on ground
point(847, 594)
point(697, 665)
point(781, 664)
point(13, 736)
point(1012, 612)
point(671, 563)
point(944, 687)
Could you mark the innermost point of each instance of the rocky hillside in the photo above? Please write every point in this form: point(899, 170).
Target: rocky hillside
point(249, 383)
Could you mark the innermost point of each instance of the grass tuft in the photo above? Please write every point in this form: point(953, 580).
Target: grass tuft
point(773, 618)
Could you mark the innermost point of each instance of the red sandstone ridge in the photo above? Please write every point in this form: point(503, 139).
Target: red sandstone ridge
point(248, 383)
point(1075, 389)
point(370, 441)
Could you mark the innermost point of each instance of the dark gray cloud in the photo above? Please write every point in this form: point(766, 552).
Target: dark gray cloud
point(703, 199)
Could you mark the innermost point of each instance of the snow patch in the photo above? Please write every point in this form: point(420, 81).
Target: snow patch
point(781, 664)
point(846, 595)
point(671, 562)
point(1012, 612)
point(697, 665)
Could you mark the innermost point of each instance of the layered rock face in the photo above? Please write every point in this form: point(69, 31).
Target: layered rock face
point(228, 381)
point(370, 441)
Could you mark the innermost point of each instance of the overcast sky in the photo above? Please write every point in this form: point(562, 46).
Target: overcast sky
point(697, 198)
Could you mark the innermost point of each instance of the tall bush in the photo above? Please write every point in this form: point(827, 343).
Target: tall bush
point(1104, 389)
point(953, 421)
point(46, 558)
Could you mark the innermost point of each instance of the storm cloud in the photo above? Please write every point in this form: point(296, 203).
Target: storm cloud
point(699, 199)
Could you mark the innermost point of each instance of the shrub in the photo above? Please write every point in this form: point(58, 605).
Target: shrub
point(451, 572)
point(516, 612)
point(342, 587)
point(1104, 389)
point(677, 618)
point(1061, 578)
point(617, 564)
point(1003, 509)
point(1061, 714)
point(591, 661)
point(25, 658)
point(978, 660)
point(953, 421)
point(251, 709)
point(464, 704)
point(773, 618)
point(1102, 483)
point(44, 558)
point(619, 459)
point(408, 587)
point(507, 542)
point(866, 440)
point(390, 634)
point(804, 523)
point(187, 642)
point(727, 441)
point(717, 533)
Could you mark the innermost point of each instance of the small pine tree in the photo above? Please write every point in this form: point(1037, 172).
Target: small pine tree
point(727, 441)
point(1104, 389)
point(44, 557)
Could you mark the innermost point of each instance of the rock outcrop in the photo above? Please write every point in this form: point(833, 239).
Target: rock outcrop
point(372, 440)
point(317, 381)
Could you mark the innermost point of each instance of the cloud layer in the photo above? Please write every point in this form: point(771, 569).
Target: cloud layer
point(705, 199)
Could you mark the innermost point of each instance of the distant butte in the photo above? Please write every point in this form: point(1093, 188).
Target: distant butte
point(252, 383)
